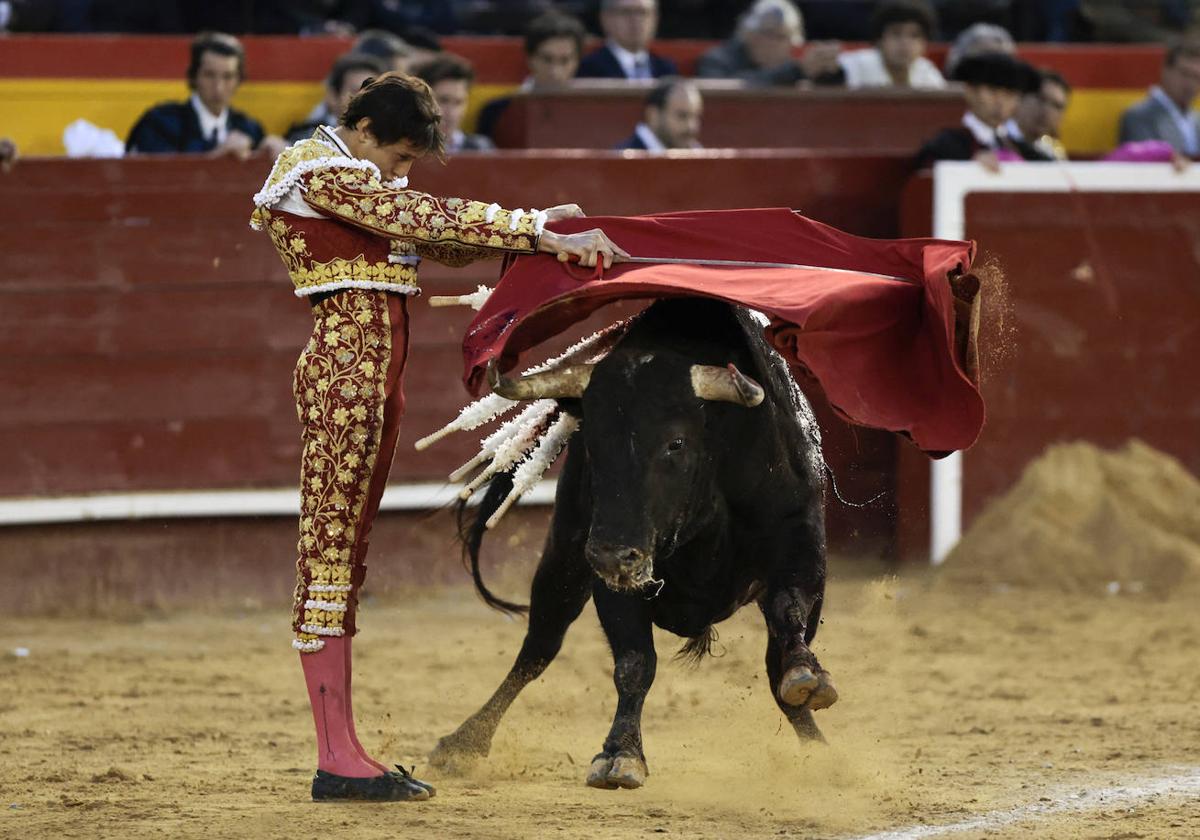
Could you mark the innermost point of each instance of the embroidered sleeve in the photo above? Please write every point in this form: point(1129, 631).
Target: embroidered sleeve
point(357, 196)
point(454, 255)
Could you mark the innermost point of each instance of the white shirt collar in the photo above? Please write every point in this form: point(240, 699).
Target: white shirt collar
point(649, 138)
point(456, 140)
point(208, 122)
point(984, 134)
point(1161, 95)
point(628, 60)
point(1183, 119)
point(1013, 131)
point(330, 134)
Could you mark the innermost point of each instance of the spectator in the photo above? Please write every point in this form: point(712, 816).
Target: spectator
point(397, 53)
point(206, 122)
point(1167, 114)
point(994, 84)
point(450, 78)
point(629, 27)
point(8, 153)
point(761, 51)
point(1035, 126)
point(978, 39)
point(901, 30)
point(345, 79)
point(671, 118)
point(553, 44)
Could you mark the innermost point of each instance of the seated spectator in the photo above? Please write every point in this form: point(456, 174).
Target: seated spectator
point(393, 50)
point(629, 27)
point(994, 83)
point(1167, 114)
point(977, 39)
point(1034, 128)
point(553, 44)
point(344, 80)
point(900, 30)
point(206, 122)
point(450, 78)
point(8, 153)
point(671, 118)
point(761, 51)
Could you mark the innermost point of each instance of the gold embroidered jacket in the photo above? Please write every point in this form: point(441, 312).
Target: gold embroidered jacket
point(337, 225)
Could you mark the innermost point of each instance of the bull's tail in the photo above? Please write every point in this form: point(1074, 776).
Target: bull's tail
point(472, 525)
point(698, 647)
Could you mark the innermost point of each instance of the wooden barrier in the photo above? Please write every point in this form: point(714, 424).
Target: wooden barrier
point(147, 335)
point(600, 115)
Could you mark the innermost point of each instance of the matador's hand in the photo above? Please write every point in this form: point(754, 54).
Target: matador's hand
point(564, 211)
point(588, 246)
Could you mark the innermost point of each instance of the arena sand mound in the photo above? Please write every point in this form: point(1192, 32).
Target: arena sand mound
point(1083, 519)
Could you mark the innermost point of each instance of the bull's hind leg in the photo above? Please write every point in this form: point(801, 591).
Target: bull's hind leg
point(561, 587)
point(627, 623)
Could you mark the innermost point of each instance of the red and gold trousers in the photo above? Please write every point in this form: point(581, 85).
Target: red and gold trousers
point(349, 396)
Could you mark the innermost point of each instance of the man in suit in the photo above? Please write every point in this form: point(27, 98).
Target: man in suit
point(760, 53)
point(345, 78)
point(205, 123)
point(629, 27)
point(553, 44)
point(450, 78)
point(1167, 114)
point(671, 119)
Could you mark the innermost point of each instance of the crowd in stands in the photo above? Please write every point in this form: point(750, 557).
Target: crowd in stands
point(1013, 110)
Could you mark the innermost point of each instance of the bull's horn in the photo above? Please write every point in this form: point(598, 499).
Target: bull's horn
point(560, 383)
point(727, 384)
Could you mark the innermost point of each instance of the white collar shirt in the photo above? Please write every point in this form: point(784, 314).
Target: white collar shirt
point(649, 138)
point(1187, 126)
point(633, 65)
point(209, 123)
point(984, 134)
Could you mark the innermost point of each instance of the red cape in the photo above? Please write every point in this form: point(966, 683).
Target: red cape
point(894, 354)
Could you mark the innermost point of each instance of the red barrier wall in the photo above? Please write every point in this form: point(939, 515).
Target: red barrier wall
point(147, 335)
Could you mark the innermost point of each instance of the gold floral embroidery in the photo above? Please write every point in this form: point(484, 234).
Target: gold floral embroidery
point(356, 196)
point(306, 274)
point(340, 391)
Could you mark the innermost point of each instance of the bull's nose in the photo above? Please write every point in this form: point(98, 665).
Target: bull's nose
point(613, 561)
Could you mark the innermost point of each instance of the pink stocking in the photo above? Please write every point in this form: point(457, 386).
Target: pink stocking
point(327, 674)
point(350, 710)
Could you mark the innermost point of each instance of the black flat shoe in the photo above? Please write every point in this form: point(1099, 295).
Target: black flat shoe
point(390, 787)
point(408, 777)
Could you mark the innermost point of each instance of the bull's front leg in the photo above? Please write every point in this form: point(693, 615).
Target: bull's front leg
point(627, 622)
point(791, 605)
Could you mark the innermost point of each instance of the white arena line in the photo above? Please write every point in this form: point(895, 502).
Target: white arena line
point(222, 503)
point(1185, 784)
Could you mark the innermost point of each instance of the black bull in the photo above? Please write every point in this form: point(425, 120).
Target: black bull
point(675, 510)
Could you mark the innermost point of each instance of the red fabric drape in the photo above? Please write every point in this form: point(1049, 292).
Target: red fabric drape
point(884, 350)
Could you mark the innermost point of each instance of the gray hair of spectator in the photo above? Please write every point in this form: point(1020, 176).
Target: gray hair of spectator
point(1181, 49)
point(972, 38)
point(348, 63)
point(766, 13)
point(382, 44)
point(553, 25)
point(891, 12)
point(661, 92)
point(219, 43)
point(444, 67)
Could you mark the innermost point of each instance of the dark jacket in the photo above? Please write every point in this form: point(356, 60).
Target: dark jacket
point(956, 143)
point(633, 141)
point(489, 115)
point(174, 128)
point(602, 64)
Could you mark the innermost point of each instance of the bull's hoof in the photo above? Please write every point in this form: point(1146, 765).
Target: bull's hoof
point(455, 753)
point(801, 687)
point(612, 772)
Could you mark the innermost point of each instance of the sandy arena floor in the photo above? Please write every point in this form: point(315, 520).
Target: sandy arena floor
point(953, 704)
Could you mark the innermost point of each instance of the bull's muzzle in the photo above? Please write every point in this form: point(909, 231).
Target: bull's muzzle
point(620, 567)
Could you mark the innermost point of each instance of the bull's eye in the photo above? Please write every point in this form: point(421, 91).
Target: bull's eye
point(675, 445)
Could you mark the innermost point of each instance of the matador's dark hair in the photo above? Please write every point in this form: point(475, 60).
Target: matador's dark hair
point(399, 107)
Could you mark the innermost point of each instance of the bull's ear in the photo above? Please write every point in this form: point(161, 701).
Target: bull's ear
point(726, 384)
point(567, 382)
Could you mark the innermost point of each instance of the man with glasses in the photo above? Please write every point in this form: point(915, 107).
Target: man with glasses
point(1166, 114)
point(629, 27)
point(1034, 129)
